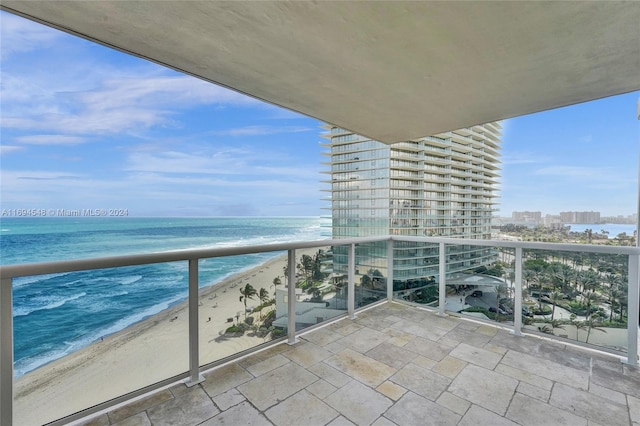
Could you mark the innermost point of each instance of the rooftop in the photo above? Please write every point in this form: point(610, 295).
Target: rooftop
point(398, 364)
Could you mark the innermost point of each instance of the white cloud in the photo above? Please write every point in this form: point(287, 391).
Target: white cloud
point(7, 149)
point(569, 171)
point(263, 130)
point(50, 140)
point(116, 105)
point(22, 35)
point(514, 158)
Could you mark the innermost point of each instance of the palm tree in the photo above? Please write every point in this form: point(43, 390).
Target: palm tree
point(555, 297)
point(248, 292)
point(580, 325)
point(263, 295)
point(500, 290)
point(590, 298)
point(594, 323)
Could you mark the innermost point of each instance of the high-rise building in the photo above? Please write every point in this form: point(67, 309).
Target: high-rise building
point(441, 185)
point(580, 217)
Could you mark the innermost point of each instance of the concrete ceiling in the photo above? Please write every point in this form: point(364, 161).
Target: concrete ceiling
point(389, 70)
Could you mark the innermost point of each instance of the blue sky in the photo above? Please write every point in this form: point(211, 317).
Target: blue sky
point(86, 127)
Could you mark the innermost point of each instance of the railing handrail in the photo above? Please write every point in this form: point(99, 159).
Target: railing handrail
point(41, 268)
point(8, 272)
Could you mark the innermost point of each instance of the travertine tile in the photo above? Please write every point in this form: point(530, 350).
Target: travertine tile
point(226, 400)
point(528, 411)
point(487, 330)
point(360, 367)
point(383, 421)
point(420, 329)
point(424, 362)
point(534, 391)
point(469, 337)
point(453, 403)
point(358, 403)
point(191, 408)
point(307, 354)
point(485, 388)
point(477, 416)
point(449, 366)
point(612, 395)
point(101, 420)
point(525, 376)
point(391, 355)
point(241, 414)
point(634, 408)
point(276, 385)
point(423, 382)
point(628, 383)
point(348, 328)
point(413, 409)
point(322, 337)
point(547, 369)
point(391, 390)
point(267, 365)
point(341, 421)
point(330, 374)
point(429, 348)
point(366, 340)
point(224, 378)
point(301, 408)
point(476, 355)
point(140, 419)
point(140, 405)
point(589, 406)
point(321, 388)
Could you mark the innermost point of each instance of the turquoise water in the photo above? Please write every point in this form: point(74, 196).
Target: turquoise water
point(57, 314)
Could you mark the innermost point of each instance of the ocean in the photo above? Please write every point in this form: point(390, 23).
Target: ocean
point(57, 314)
point(612, 228)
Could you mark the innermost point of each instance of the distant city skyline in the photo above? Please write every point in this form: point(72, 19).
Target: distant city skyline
point(87, 127)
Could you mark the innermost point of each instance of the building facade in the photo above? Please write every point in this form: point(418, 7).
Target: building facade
point(580, 217)
point(442, 185)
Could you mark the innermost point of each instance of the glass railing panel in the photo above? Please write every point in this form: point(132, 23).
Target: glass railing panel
point(577, 296)
point(371, 268)
point(480, 282)
point(320, 290)
point(237, 312)
point(415, 273)
point(83, 338)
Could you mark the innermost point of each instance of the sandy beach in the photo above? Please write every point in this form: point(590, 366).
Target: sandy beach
point(144, 353)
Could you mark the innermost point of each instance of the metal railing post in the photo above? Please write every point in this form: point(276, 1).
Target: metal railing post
point(351, 286)
point(194, 335)
point(390, 270)
point(6, 352)
point(517, 303)
point(633, 309)
point(291, 299)
point(442, 279)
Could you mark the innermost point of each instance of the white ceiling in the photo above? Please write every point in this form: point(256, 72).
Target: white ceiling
point(388, 70)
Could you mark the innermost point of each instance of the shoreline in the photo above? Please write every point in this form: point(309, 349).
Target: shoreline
point(147, 351)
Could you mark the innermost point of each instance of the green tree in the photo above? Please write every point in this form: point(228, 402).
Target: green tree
point(263, 295)
point(365, 281)
point(594, 323)
point(590, 299)
point(555, 297)
point(247, 292)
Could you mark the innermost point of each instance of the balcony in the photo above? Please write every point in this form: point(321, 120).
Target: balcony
point(409, 354)
point(410, 366)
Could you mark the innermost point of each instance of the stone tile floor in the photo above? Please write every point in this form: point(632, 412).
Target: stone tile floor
point(399, 365)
